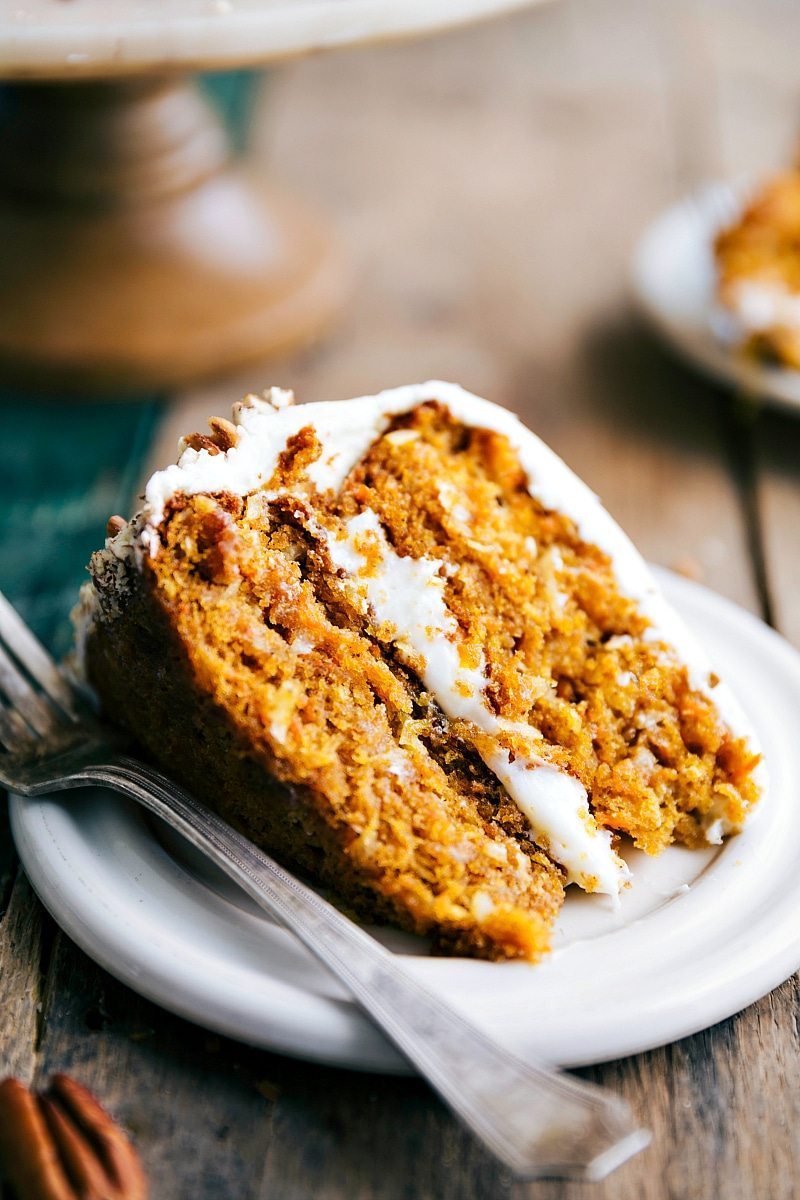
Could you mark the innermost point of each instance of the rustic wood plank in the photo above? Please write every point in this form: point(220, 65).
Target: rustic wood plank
point(189, 1099)
point(23, 930)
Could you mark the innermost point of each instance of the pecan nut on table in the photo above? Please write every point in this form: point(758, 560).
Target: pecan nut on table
point(62, 1145)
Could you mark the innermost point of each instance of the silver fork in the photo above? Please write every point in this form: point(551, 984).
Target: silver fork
point(536, 1120)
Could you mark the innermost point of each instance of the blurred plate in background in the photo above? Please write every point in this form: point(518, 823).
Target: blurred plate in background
point(674, 282)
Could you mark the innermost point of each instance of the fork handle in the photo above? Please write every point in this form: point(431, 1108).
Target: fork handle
point(536, 1120)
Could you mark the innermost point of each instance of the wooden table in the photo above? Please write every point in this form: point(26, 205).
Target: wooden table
point(490, 186)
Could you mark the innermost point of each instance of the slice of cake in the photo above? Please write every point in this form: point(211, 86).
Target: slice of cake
point(758, 265)
point(400, 645)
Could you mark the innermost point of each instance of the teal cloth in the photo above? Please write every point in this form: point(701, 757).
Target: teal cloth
point(67, 466)
point(234, 93)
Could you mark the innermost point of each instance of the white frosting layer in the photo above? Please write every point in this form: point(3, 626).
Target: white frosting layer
point(759, 306)
point(407, 594)
point(554, 802)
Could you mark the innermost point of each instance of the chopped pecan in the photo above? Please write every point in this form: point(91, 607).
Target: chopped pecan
point(223, 432)
point(224, 435)
point(62, 1145)
point(200, 441)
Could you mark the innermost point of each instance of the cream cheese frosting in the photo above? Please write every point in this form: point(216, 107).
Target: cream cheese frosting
point(760, 305)
point(408, 594)
point(754, 306)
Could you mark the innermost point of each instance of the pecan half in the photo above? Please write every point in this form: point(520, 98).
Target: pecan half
point(62, 1145)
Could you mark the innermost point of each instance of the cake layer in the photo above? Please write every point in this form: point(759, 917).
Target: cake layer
point(242, 671)
point(400, 644)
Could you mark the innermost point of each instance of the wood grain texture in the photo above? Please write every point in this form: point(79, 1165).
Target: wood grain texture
point(489, 187)
point(21, 935)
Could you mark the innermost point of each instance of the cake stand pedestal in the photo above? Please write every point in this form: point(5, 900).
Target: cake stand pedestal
point(135, 252)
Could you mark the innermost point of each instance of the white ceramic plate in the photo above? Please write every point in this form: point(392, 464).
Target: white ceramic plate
point(674, 286)
point(699, 936)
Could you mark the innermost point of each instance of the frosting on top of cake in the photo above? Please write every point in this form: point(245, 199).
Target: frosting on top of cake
point(554, 802)
point(347, 429)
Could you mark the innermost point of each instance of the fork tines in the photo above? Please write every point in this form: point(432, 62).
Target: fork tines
point(35, 698)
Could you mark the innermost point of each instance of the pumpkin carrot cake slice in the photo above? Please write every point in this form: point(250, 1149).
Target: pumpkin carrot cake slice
point(400, 645)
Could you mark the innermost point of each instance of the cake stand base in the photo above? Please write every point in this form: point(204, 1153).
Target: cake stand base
point(134, 254)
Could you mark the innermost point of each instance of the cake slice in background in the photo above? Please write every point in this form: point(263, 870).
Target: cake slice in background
point(400, 645)
point(758, 267)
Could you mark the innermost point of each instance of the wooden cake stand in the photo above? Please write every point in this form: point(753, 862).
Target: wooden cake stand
point(136, 253)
